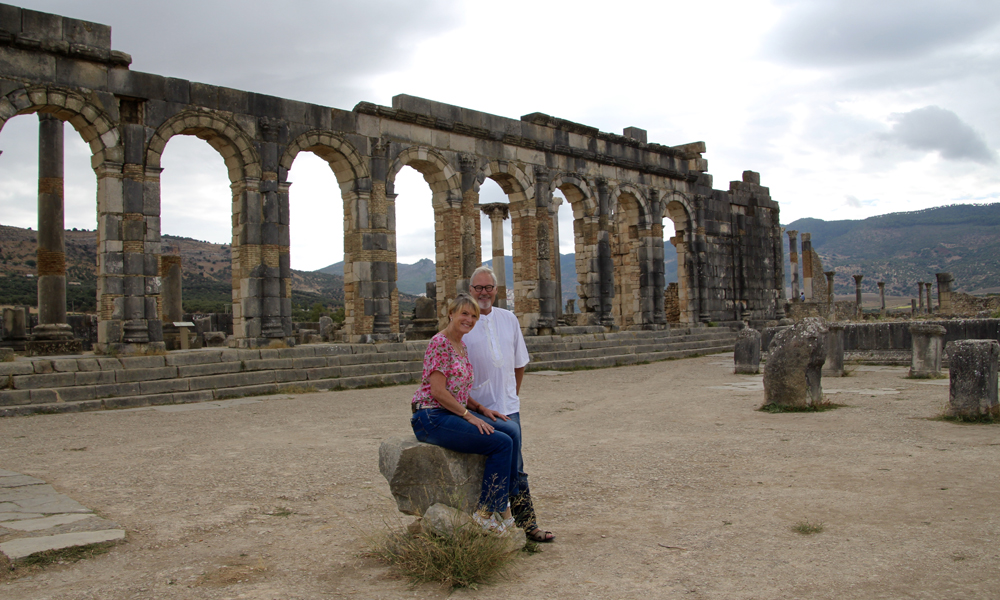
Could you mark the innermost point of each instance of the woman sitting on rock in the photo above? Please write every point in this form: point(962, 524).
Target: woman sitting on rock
point(445, 415)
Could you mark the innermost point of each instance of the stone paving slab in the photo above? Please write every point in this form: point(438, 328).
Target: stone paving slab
point(24, 547)
point(34, 517)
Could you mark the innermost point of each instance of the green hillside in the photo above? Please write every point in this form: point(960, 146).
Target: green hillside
point(904, 248)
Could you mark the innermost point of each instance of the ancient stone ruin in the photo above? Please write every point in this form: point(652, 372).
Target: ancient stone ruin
point(620, 189)
point(973, 379)
point(793, 372)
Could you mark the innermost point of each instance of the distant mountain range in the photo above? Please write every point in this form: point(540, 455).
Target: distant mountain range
point(904, 248)
point(898, 248)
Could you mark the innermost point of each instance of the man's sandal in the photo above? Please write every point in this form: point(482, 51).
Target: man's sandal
point(535, 534)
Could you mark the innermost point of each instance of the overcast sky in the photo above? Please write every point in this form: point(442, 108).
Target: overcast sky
point(848, 109)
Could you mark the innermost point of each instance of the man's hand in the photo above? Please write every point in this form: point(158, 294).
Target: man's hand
point(494, 414)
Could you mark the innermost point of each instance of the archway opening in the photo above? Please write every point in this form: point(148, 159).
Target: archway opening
point(677, 295)
point(196, 227)
point(316, 238)
point(416, 240)
point(497, 250)
point(19, 162)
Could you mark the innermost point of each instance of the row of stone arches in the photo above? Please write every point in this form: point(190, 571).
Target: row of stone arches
point(625, 217)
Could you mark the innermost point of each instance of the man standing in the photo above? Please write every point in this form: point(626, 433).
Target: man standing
point(498, 356)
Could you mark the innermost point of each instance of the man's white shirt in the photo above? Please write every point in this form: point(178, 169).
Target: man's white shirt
point(496, 348)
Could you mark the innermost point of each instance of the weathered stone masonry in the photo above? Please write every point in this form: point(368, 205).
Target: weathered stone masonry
point(620, 188)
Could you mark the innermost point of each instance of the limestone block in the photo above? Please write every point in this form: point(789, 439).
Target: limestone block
point(834, 365)
point(973, 378)
point(6, 355)
point(928, 342)
point(421, 475)
point(747, 354)
point(215, 339)
point(792, 375)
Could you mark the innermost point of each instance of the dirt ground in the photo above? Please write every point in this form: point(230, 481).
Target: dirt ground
point(659, 480)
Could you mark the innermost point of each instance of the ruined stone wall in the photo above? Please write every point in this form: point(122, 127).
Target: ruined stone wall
point(671, 306)
point(619, 187)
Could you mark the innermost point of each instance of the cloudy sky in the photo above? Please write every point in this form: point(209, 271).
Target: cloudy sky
point(848, 109)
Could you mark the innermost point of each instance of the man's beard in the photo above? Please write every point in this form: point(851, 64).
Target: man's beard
point(485, 303)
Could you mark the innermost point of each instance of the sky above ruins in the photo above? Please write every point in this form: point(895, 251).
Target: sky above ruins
point(847, 108)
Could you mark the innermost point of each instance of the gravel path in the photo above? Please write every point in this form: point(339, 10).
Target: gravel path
point(659, 480)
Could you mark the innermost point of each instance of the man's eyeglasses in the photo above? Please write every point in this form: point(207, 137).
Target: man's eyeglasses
point(484, 288)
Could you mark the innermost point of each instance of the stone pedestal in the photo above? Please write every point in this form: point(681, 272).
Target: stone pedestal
point(793, 372)
point(927, 345)
point(425, 323)
point(14, 325)
point(944, 292)
point(834, 365)
point(973, 385)
point(746, 357)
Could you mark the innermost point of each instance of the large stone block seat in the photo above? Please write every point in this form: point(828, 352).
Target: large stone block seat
point(421, 475)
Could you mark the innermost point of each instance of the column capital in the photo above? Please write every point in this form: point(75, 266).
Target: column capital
point(496, 210)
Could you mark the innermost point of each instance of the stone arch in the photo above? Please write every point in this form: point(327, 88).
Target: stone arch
point(680, 306)
point(637, 209)
point(445, 181)
point(90, 121)
point(512, 180)
point(345, 161)
point(577, 193)
point(220, 131)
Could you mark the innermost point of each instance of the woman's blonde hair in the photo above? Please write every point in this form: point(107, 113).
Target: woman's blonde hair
point(463, 300)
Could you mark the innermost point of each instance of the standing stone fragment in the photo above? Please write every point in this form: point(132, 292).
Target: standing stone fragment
point(747, 354)
point(834, 365)
point(928, 341)
point(421, 475)
point(973, 384)
point(792, 375)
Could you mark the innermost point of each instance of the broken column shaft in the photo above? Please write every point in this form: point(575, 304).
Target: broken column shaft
point(793, 259)
point(857, 294)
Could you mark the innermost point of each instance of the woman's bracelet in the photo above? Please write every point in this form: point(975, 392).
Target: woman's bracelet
point(465, 413)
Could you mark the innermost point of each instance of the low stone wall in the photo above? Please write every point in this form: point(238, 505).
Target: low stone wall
point(890, 342)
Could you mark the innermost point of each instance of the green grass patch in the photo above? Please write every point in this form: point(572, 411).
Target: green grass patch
point(976, 420)
point(778, 408)
point(807, 528)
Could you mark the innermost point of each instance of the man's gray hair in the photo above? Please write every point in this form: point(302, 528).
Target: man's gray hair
point(484, 269)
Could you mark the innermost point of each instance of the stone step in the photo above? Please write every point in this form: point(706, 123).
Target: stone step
point(73, 384)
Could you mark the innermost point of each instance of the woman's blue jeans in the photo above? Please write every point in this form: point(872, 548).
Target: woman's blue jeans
point(448, 430)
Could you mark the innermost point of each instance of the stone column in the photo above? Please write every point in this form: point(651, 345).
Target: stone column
point(973, 379)
point(807, 269)
point(831, 309)
point(881, 293)
point(920, 296)
point(927, 340)
point(944, 292)
point(793, 260)
point(857, 295)
point(51, 252)
point(930, 308)
point(746, 357)
point(834, 365)
point(498, 212)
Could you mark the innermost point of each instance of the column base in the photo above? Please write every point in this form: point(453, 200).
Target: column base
point(131, 349)
point(52, 332)
point(53, 347)
point(377, 338)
